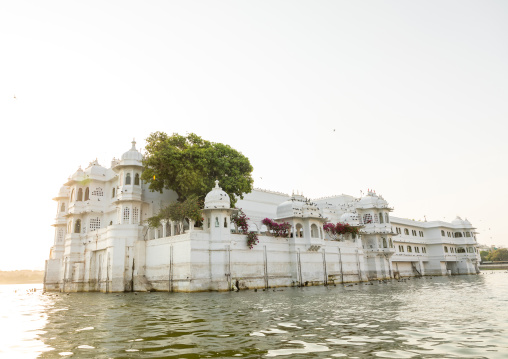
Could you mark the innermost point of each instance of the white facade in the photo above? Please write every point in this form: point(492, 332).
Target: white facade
point(102, 243)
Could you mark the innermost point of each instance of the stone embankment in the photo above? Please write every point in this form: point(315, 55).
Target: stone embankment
point(494, 265)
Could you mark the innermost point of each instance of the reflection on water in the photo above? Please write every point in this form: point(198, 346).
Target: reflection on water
point(451, 317)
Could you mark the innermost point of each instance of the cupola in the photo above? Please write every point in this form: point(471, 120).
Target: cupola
point(217, 198)
point(133, 153)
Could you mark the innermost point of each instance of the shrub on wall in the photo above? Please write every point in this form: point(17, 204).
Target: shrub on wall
point(279, 229)
point(240, 220)
point(338, 229)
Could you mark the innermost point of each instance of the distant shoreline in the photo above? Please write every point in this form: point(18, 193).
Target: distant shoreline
point(493, 266)
point(22, 277)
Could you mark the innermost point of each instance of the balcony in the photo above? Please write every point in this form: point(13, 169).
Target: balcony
point(129, 193)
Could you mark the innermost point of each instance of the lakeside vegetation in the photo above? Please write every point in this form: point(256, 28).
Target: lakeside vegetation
point(21, 277)
point(496, 255)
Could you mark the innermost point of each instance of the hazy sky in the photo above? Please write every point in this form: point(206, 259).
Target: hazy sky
point(416, 92)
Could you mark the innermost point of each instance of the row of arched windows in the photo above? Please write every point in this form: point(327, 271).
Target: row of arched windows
point(416, 249)
point(128, 179)
point(387, 244)
point(458, 234)
point(459, 250)
point(406, 232)
point(79, 197)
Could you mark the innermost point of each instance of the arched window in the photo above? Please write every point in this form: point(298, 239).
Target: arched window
point(72, 195)
point(62, 207)
point(225, 222)
point(409, 249)
point(128, 178)
point(446, 249)
point(385, 245)
point(380, 217)
point(80, 195)
point(87, 194)
point(391, 243)
point(406, 231)
point(314, 233)
point(216, 221)
point(442, 233)
point(113, 192)
point(299, 230)
point(387, 218)
point(77, 226)
point(136, 179)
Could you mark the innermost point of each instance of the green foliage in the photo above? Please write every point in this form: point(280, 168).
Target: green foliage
point(278, 229)
point(484, 255)
point(190, 165)
point(500, 254)
point(189, 209)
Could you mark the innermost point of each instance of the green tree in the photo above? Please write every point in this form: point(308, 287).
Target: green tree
point(190, 210)
point(500, 254)
point(189, 166)
point(484, 255)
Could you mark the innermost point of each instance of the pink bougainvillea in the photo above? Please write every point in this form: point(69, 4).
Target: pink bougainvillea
point(279, 229)
point(240, 220)
point(338, 229)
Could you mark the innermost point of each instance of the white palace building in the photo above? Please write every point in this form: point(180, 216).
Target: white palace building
point(102, 242)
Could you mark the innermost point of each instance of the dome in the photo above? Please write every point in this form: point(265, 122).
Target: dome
point(217, 198)
point(78, 175)
point(132, 154)
point(63, 192)
point(94, 168)
point(372, 200)
point(290, 208)
point(350, 218)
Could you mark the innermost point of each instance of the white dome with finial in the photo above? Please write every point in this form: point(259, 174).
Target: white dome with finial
point(133, 153)
point(372, 200)
point(62, 193)
point(130, 158)
point(217, 198)
point(291, 208)
point(94, 168)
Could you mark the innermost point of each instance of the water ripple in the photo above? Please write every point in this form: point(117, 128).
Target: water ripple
point(451, 317)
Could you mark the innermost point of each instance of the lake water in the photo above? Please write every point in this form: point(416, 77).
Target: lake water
point(442, 317)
